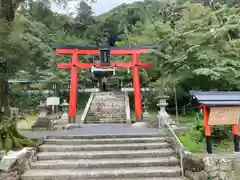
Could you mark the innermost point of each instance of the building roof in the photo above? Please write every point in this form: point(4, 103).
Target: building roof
point(93, 47)
point(24, 81)
point(29, 81)
point(217, 98)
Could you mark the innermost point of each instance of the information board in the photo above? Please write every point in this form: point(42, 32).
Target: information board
point(224, 115)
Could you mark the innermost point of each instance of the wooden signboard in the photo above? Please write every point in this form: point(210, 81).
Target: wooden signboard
point(224, 115)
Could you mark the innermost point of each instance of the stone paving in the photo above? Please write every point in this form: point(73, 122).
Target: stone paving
point(95, 130)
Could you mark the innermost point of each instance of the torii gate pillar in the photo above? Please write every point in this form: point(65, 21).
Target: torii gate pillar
point(137, 88)
point(73, 90)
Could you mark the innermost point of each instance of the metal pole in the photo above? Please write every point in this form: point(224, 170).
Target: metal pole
point(176, 105)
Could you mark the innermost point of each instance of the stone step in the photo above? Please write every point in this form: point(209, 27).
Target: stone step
point(105, 154)
point(105, 163)
point(119, 110)
point(110, 120)
point(102, 114)
point(146, 178)
point(99, 122)
point(106, 136)
point(103, 122)
point(109, 99)
point(102, 147)
point(109, 95)
point(105, 115)
point(111, 113)
point(103, 141)
point(107, 111)
point(108, 102)
point(108, 105)
point(78, 174)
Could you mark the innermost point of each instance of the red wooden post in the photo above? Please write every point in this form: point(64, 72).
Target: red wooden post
point(207, 129)
point(235, 129)
point(235, 132)
point(137, 88)
point(73, 89)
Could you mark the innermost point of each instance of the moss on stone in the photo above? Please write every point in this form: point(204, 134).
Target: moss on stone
point(12, 138)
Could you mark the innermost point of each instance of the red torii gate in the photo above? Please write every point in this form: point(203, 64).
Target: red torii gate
point(75, 51)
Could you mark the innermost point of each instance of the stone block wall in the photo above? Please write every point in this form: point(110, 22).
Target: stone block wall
point(14, 164)
point(212, 167)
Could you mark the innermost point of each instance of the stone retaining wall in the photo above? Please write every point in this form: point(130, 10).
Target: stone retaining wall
point(212, 167)
point(16, 163)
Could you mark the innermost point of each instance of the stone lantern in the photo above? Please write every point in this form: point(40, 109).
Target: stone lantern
point(146, 116)
point(162, 116)
point(43, 120)
point(65, 107)
point(42, 109)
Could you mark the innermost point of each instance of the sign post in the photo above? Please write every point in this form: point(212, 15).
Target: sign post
point(219, 108)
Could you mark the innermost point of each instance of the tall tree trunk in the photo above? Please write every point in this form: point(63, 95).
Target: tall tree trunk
point(4, 98)
point(7, 13)
point(7, 10)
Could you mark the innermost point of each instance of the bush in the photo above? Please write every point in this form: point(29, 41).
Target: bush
point(24, 100)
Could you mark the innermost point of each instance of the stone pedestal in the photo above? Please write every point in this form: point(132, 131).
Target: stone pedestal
point(64, 118)
point(43, 121)
point(146, 116)
point(140, 124)
point(144, 122)
point(163, 117)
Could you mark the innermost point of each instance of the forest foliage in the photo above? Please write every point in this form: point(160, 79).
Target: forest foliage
point(198, 46)
point(198, 41)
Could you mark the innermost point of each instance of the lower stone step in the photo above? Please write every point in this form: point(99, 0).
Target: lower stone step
point(104, 154)
point(101, 136)
point(104, 141)
point(146, 178)
point(106, 163)
point(71, 174)
point(103, 147)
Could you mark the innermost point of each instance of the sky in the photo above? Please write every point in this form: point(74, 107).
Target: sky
point(101, 6)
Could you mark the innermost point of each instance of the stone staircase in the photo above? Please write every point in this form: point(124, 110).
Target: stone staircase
point(107, 107)
point(128, 157)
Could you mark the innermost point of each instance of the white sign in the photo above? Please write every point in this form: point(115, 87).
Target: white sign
point(93, 69)
point(53, 101)
point(132, 89)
